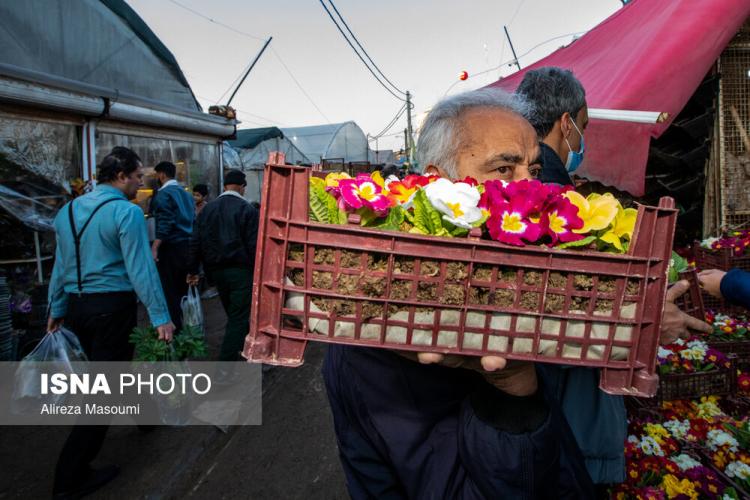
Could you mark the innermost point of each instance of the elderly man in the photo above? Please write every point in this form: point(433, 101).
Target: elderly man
point(598, 420)
point(429, 426)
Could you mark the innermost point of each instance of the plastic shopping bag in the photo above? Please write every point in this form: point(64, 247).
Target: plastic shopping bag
point(192, 311)
point(55, 353)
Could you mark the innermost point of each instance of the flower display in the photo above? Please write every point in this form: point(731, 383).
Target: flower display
point(520, 213)
point(690, 356)
point(738, 241)
point(727, 328)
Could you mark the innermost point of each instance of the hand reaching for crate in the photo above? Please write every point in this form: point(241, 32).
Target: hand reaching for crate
point(675, 323)
point(710, 281)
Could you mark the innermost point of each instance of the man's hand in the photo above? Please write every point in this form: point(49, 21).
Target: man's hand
point(675, 323)
point(193, 279)
point(155, 250)
point(54, 323)
point(710, 281)
point(517, 378)
point(166, 331)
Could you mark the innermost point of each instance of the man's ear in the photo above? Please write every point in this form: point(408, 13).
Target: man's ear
point(434, 170)
point(565, 127)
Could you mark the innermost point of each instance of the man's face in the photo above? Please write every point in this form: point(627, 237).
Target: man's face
point(131, 183)
point(581, 121)
point(496, 144)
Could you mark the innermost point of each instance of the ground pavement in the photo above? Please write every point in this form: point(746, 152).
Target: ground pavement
point(292, 455)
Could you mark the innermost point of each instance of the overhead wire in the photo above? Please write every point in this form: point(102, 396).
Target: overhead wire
point(338, 27)
point(363, 49)
point(249, 35)
point(390, 125)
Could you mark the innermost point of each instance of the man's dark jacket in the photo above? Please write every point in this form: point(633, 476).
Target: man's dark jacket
point(407, 430)
point(174, 210)
point(553, 169)
point(735, 287)
point(225, 235)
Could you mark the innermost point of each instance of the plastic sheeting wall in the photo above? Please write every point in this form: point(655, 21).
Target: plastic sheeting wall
point(337, 140)
point(84, 40)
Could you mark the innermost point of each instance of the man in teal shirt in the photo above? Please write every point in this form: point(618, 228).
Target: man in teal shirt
point(102, 263)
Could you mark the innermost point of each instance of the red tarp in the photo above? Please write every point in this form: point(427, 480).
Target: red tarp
point(650, 55)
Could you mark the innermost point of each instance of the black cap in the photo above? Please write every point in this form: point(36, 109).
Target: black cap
point(234, 177)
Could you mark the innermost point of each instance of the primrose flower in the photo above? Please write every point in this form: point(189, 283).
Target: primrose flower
point(458, 202)
point(509, 225)
point(650, 446)
point(597, 211)
point(402, 191)
point(527, 197)
point(718, 438)
point(622, 228)
point(739, 470)
point(685, 462)
point(332, 181)
point(560, 218)
point(363, 192)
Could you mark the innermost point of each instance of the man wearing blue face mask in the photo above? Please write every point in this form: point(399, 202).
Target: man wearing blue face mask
point(560, 118)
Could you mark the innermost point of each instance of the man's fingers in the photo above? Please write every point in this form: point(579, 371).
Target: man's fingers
point(427, 358)
point(493, 363)
point(697, 325)
point(677, 290)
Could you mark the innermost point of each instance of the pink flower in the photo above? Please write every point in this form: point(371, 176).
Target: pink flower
point(528, 197)
point(509, 225)
point(560, 218)
point(363, 192)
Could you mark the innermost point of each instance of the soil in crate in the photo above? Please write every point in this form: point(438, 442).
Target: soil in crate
point(426, 297)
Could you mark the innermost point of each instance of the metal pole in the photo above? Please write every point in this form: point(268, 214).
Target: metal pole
point(515, 57)
point(249, 69)
point(38, 258)
point(408, 126)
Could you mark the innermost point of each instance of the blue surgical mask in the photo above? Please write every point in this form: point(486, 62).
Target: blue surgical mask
point(574, 158)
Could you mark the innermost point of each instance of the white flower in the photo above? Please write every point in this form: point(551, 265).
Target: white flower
point(456, 201)
point(632, 439)
point(685, 462)
point(649, 446)
point(717, 438)
point(664, 353)
point(678, 429)
point(708, 242)
point(739, 470)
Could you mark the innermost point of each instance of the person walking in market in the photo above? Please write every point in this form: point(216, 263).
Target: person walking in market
point(598, 419)
point(200, 197)
point(426, 425)
point(224, 241)
point(174, 212)
point(102, 265)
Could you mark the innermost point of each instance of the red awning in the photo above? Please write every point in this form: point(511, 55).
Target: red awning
point(651, 55)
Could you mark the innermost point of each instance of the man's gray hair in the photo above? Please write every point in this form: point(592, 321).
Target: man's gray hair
point(439, 135)
point(552, 91)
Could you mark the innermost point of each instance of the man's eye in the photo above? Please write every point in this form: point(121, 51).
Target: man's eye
point(535, 172)
point(503, 170)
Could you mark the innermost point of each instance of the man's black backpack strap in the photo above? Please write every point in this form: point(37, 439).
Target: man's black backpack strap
point(77, 235)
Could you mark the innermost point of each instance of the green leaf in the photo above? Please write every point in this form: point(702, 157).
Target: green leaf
point(677, 265)
point(319, 202)
point(393, 220)
point(427, 220)
point(368, 216)
point(578, 244)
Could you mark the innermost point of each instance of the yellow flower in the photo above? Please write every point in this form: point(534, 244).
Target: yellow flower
point(622, 228)
point(673, 487)
point(597, 211)
point(332, 179)
point(377, 178)
point(657, 432)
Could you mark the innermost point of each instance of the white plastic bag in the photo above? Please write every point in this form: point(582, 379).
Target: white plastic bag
point(192, 311)
point(55, 353)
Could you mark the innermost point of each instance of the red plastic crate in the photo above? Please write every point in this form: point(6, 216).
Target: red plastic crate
point(692, 301)
point(722, 258)
point(465, 295)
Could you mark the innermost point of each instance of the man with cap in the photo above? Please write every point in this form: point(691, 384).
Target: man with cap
point(223, 240)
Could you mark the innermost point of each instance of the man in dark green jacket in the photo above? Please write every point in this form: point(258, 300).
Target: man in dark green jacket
point(224, 240)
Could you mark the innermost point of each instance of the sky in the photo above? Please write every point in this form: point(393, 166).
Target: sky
point(310, 76)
